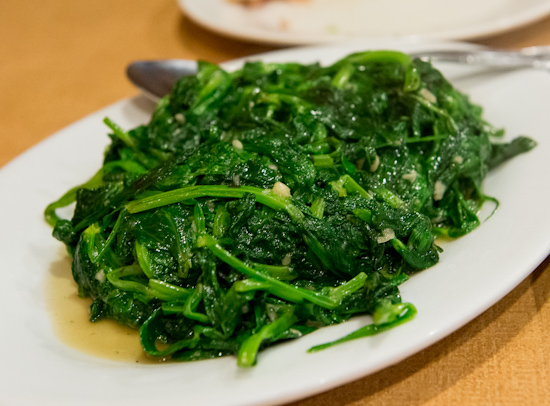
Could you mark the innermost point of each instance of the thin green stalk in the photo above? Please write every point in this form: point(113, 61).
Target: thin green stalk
point(249, 348)
point(278, 288)
point(167, 291)
point(263, 196)
point(407, 314)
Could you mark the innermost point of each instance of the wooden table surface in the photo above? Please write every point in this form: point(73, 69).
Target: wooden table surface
point(62, 59)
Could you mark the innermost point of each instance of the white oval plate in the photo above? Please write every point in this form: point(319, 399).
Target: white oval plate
point(322, 21)
point(474, 273)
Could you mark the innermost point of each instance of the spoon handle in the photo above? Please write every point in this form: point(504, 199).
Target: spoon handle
point(531, 57)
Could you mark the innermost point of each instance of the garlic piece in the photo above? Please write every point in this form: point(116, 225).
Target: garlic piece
point(281, 189)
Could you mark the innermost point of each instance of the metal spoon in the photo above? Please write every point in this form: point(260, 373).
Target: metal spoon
point(156, 78)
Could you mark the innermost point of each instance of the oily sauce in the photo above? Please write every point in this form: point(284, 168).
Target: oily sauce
point(71, 321)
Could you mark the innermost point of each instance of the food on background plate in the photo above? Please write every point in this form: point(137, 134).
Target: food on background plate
point(254, 3)
point(262, 204)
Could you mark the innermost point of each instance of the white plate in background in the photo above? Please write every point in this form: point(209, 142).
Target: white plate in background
point(474, 272)
point(322, 21)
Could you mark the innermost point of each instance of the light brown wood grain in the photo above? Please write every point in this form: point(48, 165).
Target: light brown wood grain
point(62, 59)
